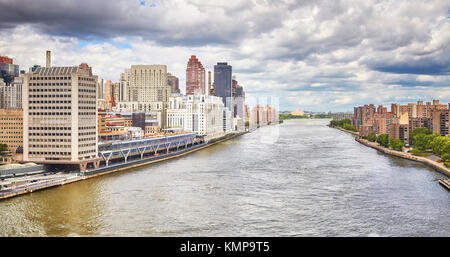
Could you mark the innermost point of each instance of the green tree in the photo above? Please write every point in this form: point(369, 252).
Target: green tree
point(372, 137)
point(396, 144)
point(420, 130)
point(383, 140)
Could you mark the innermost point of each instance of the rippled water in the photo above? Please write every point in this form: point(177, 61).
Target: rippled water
point(299, 178)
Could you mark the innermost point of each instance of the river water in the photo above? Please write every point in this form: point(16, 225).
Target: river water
point(299, 178)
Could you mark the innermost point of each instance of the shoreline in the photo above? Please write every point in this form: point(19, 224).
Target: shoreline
point(440, 167)
point(78, 177)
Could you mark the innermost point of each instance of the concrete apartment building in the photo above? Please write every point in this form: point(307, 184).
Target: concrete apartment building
point(201, 114)
point(60, 116)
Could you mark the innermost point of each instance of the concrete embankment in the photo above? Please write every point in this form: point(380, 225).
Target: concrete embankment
point(436, 165)
point(78, 177)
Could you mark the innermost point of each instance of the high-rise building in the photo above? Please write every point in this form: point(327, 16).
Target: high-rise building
point(124, 85)
point(222, 83)
point(172, 82)
point(195, 77)
point(147, 90)
point(8, 70)
point(60, 116)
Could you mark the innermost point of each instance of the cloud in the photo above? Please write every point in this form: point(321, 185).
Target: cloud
point(316, 55)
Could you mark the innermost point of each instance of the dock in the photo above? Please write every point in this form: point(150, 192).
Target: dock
point(445, 183)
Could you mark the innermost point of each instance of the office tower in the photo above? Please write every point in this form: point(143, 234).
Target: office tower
point(124, 85)
point(149, 83)
point(60, 116)
point(195, 77)
point(172, 82)
point(222, 83)
point(148, 91)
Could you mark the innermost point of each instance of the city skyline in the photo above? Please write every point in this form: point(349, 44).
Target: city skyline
point(344, 55)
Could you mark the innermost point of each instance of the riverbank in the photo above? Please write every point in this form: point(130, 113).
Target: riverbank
point(120, 167)
point(345, 130)
point(433, 164)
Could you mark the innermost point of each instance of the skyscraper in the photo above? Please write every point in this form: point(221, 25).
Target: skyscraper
point(195, 77)
point(222, 83)
point(172, 81)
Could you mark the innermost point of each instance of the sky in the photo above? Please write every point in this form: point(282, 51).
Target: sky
point(312, 55)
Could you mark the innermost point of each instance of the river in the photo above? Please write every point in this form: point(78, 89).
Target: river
point(299, 178)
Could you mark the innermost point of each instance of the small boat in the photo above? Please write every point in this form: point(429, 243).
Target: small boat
point(156, 154)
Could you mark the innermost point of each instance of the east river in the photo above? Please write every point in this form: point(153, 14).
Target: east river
point(299, 178)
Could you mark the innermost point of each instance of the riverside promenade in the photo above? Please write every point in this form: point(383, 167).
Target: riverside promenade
point(75, 177)
point(434, 164)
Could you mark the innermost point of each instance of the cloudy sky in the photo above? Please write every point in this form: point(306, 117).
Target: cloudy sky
point(313, 55)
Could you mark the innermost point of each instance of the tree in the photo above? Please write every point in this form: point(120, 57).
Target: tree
point(372, 137)
point(420, 130)
point(383, 140)
point(396, 144)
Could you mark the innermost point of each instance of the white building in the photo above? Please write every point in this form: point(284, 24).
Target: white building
point(136, 132)
point(201, 114)
point(227, 120)
point(60, 116)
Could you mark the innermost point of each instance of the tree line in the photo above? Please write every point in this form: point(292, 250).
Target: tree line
point(345, 124)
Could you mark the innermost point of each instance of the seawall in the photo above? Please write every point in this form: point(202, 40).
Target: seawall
point(436, 165)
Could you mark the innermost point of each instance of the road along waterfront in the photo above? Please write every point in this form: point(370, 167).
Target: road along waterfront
point(299, 178)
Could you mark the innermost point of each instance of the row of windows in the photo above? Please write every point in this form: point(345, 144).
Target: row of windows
point(86, 113)
point(52, 113)
point(49, 78)
point(49, 153)
point(50, 84)
point(85, 152)
point(86, 90)
point(51, 102)
point(86, 79)
point(86, 139)
point(51, 90)
point(90, 127)
point(49, 134)
point(86, 102)
point(87, 145)
point(50, 140)
point(50, 128)
point(11, 132)
point(50, 146)
point(86, 108)
point(47, 96)
point(50, 108)
point(4, 118)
